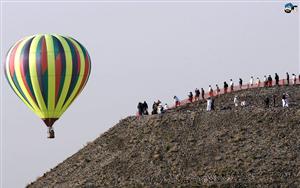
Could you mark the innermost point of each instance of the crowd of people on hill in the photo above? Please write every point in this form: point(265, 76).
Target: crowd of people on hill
point(158, 108)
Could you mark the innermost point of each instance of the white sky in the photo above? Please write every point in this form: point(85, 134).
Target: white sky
point(140, 51)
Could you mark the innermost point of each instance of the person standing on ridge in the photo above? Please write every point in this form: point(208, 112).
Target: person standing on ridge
point(140, 108)
point(231, 85)
point(251, 81)
point(210, 91)
point(270, 81)
point(154, 108)
point(190, 95)
point(202, 93)
point(277, 79)
point(217, 90)
point(177, 101)
point(265, 81)
point(197, 94)
point(225, 87)
point(145, 108)
point(258, 82)
point(241, 83)
point(287, 78)
point(294, 79)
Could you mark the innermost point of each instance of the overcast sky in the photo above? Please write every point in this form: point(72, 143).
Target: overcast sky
point(140, 51)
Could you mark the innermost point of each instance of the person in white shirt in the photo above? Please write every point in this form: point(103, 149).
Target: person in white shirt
point(257, 81)
point(251, 81)
point(294, 79)
point(231, 85)
point(236, 101)
point(209, 102)
point(285, 102)
point(177, 101)
point(265, 81)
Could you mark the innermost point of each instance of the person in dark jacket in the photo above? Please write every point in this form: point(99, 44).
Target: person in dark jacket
point(202, 93)
point(287, 79)
point(240, 83)
point(270, 81)
point(190, 95)
point(197, 94)
point(225, 87)
point(217, 90)
point(276, 79)
point(145, 108)
point(154, 108)
point(140, 108)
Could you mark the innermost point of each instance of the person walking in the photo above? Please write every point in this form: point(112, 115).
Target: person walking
point(209, 102)
point(210, 91)
point(202, 93)
point(287, 78)
point(276, 79)
point(197, 94)
point(258, 82)
point(270, 81)
point(217, 90)
point(190, 95)
point(294, 79)
point(251, 81)
point(236, 101)
point(265, 81)
point(177, 101)
point(140, 108)
point(284, 99)
point(225, 87)
point(154, 108)
point(231, 85)
point(145, 108)
point(241, 83)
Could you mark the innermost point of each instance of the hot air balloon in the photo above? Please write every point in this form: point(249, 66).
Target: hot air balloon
point(47, 72)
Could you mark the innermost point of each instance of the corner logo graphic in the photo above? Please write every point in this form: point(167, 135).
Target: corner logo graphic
point(289, 7)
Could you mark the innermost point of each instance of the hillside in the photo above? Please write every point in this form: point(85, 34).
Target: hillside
point(187, 146)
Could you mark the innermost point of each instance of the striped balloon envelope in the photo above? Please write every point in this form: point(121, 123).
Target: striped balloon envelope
point(47, 72)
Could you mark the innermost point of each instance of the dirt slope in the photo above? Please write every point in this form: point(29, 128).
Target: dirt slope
point(187, 146)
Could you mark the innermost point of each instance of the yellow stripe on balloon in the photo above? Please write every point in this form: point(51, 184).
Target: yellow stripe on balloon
point(34, 76)
point(12, 83)
point(51, 75)
point(68, 76)
point(17, 62)
point(80, 77)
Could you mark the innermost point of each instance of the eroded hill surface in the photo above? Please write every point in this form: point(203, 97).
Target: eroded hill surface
point(187, 146)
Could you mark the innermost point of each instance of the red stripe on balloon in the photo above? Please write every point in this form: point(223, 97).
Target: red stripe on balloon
point(12, 60)
point(23, 76)
point(44, 60)
point(85, 76)
point(58, 70)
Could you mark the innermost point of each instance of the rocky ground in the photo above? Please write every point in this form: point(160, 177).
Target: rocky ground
point(252, 146)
